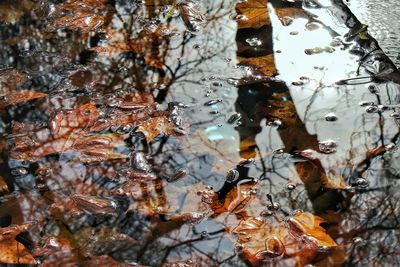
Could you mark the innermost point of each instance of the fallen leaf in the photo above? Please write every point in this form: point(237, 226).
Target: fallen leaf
point(155, 126)
point(332, 180)
point(305, 223)
point(86, 15)
point(264, 64)
point(75, 121)
point(255, 12)
point(17, 97)
point(11, 251)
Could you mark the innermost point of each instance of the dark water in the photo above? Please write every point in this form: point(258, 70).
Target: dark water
point(291, 112)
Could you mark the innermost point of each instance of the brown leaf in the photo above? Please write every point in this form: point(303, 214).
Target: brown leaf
point(12, 11)
point(18, 97)
point(10, 80)
point(99, 147)
point(255, 12)
point(86, 15)
point(305, 223)
point(264, 64)
point(155, 126)
point(11, 251)
point(294, 242)
point(332, 180)
point(75, 121)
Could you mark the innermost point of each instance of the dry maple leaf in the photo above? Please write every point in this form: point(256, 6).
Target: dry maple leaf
point(86, 15)
point(11, 251)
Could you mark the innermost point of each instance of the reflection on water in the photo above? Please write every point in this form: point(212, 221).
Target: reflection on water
point(383, 23)
point(198, 132)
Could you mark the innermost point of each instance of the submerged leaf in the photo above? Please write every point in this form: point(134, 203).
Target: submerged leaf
point(18, 97)
point(11, 251)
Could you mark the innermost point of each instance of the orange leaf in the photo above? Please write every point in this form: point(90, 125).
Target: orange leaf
point(11, 251)
point(155, 126)
point(265, 64)
point(333, 181)
point(305, 223)
point(17, 97)
point(255, 12)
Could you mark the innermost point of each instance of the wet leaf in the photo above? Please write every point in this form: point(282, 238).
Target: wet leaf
point(264, 64)
point(11, 251)
point(17, 97)
point(75, 121)
point(255, 14)
point(99, 147)
point(12, 12)
point(333, 180)
point(86, 15)
point(306, 223)
point(153, 127)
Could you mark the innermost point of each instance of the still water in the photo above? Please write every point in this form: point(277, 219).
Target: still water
point(199, 133)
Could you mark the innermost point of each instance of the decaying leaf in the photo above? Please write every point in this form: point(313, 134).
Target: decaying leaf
point(294, 242)
point(86, 15)
point(11, 11)
point(155, 126)
point(17, 97)
point(333, 180)
point(264, 64)
point(254, 14)
point(99, 147)
point(11, 251)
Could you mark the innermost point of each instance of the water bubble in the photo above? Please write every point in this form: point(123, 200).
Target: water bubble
point(278, 151)
point(253, 42)
point(291, 186)
point(204, 234)
point(390, 147)
point(275, 123)
point(196, 46)
point(246, 162)
point(232, 175)
point(331, 117)
point(294, 33)
point(383, 108)
point(373, 89)
point(366, 103)
point(372, 109)
point(139, 163)
point(286, 20)
point(217, 84)
point(177, 176)
point(328, 146)
point(357, 240)
point(212, 102)
point(266, 213)
point(234, 118)
point(19, 171)
point(214, 112)
point(234, 82)
point(312, 26)
point(273, 206)
point(361, 182)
